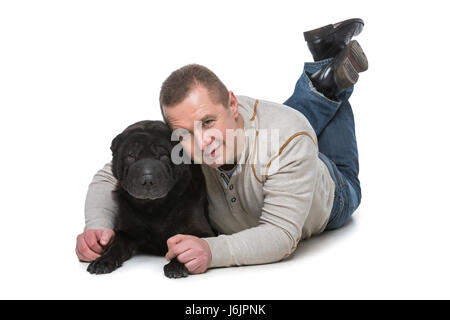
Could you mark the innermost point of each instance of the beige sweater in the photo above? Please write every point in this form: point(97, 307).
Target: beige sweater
point(280, 192)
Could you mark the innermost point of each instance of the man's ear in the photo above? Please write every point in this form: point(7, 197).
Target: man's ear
point(234, 105)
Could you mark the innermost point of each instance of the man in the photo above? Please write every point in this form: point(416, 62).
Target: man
point(262, 208)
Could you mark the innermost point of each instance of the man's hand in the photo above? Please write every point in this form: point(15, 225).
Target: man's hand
point(92, 242)
point(192, 251)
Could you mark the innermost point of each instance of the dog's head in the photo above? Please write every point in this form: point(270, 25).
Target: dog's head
point(142, 160)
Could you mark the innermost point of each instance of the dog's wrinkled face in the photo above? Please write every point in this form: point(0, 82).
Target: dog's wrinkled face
point(141, 160)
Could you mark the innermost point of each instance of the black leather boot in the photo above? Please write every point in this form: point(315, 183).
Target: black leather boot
point(328, 41)
point(342, 72)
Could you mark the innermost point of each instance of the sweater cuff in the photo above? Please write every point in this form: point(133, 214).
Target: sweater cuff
point(220, 251)
point(99, 219)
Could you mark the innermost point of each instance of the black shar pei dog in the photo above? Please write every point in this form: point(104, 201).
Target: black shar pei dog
point(156, 198)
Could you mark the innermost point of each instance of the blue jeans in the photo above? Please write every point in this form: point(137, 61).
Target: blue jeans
point(334, 125)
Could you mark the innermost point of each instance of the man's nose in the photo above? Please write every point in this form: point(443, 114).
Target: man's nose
point(204, 141)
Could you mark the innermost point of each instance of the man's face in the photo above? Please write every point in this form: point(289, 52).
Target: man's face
point(206, 124)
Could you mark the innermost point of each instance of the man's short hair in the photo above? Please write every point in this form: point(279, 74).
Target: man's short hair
point(180, 82)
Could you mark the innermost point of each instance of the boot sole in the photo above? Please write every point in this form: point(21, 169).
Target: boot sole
point(353, 62)
point(331, 29)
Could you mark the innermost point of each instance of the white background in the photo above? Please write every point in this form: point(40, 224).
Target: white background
point(73, 74)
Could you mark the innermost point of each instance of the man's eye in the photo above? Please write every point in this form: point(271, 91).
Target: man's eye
point(207, 123)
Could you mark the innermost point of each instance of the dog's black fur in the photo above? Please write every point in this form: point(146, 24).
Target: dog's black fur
point(157, 199)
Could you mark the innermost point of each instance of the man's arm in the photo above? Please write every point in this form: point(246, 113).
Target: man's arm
point(288, 195)
point(100, 212)
point(100, 208)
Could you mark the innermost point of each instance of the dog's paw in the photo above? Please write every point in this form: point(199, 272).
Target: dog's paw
point(103, 265)
point(175, 269)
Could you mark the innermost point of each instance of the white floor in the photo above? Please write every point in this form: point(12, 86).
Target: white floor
point(374, 256)
point(74, 75)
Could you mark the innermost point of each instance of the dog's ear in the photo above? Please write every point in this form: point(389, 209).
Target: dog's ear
point(115, 143)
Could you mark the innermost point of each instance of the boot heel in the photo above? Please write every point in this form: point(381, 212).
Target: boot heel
point(347, 74)
point(361, 63)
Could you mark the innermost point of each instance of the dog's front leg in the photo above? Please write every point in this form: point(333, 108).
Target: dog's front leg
point(120, 250)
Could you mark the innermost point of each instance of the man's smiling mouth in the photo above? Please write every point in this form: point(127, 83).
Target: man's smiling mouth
point(211, 154)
